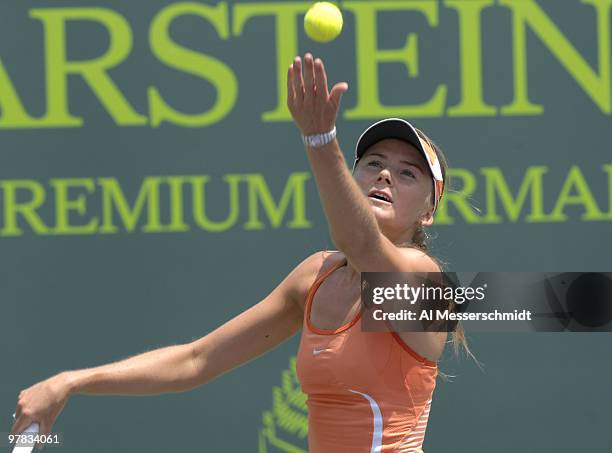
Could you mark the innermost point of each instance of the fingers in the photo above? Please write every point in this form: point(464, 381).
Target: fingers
point(20, 424)
point(44, 430)
point(312, 106)
point(295, 84)
point(290, 89)
point(337, 92)
point(309, 77)
point(299, 80)
point(320, 79)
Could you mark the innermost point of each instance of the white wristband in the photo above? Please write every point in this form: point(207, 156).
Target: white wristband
point(318, 140)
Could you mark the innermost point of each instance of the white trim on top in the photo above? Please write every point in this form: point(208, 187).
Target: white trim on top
point(377, 416)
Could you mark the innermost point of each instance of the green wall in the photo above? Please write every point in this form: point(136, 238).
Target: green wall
point(153, 186)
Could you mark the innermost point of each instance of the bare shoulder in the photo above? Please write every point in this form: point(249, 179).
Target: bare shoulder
point(385, 256)
point(306, 273)
point(421, 261)
point(429, 345)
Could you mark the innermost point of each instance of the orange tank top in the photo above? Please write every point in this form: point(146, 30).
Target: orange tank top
point(367, 391)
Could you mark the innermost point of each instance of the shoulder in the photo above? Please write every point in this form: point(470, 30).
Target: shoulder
point(306, 272)
point(382, 255)
point(420, 260)
point(427, 345)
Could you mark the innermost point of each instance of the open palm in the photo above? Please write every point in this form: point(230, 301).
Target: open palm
point(312, 106)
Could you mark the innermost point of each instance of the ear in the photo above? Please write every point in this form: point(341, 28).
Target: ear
point(427, 219)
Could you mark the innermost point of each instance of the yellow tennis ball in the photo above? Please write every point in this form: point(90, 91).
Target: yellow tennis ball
point(323, 22)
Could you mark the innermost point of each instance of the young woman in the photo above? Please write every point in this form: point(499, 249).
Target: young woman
point(367, 392)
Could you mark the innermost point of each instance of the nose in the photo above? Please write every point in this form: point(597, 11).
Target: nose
point(385, 175)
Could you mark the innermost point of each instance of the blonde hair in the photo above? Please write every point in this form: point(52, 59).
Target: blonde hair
point(420, 241)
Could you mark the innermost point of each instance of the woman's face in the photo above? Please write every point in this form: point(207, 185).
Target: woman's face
point(396, 170)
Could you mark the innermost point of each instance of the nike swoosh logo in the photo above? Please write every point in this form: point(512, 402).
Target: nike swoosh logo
point(316, 351)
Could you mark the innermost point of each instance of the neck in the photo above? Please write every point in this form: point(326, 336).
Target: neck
point(402, 237)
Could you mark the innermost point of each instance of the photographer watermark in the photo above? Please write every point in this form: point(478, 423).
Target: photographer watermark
point(487, 301)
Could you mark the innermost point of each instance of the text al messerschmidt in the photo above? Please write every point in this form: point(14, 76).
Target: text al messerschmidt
point(445, 315)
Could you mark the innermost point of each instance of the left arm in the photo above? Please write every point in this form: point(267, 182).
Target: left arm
point(353, 227)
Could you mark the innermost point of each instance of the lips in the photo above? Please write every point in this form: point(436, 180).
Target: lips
point(380, 195)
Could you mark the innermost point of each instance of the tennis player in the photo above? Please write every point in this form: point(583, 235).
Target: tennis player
point(367, 392)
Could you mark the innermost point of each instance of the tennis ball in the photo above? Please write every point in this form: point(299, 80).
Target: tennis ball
point(323, 22)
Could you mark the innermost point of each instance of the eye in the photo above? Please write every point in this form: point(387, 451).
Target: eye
point(374, 163)
point(408, 173)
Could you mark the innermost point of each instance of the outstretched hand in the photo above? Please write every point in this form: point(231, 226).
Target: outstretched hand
point(312, 106)
point(41, 403)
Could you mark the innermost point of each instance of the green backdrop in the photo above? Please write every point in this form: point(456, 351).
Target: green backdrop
point(153, 186)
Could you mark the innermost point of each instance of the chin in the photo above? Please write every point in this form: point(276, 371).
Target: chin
point(386, 220)
point(383, 218)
